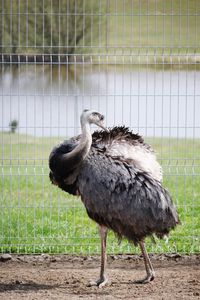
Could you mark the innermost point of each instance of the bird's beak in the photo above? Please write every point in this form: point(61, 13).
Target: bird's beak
point(101, 124)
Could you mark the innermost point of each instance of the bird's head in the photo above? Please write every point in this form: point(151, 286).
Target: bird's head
point(93, 117)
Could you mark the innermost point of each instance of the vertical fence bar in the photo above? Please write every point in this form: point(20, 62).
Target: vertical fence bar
point(137, 61)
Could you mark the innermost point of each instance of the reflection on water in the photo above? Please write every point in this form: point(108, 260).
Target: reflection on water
point(47, 100)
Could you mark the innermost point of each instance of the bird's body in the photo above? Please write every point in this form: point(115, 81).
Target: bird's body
point(119, 181)
point(125, 199)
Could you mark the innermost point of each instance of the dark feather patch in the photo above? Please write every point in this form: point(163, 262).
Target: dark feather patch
point(117, 133)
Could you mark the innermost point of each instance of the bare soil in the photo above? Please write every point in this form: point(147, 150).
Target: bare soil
point(66, 277)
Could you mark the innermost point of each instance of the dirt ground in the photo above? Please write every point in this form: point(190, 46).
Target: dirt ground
point(66, 277)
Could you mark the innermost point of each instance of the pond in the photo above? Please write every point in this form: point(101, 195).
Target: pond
point(47, 99)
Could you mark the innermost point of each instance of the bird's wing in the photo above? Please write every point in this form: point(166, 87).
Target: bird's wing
point(124, 198)
point(122, 143)
point(64, 147)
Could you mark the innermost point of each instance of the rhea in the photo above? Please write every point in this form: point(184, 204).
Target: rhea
point(118, 179)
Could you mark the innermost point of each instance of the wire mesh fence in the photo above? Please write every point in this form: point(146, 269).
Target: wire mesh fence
point(135, 61)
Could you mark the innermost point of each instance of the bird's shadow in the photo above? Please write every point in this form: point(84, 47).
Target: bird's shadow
point(30, 286)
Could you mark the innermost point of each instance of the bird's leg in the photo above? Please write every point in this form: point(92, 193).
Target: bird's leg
point(148, 266)
point(103, 277)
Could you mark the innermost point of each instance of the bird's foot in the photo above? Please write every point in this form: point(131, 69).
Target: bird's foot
point(100, 282)
point(147, 279)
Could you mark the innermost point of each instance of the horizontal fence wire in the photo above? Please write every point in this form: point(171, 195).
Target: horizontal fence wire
point(138, 63)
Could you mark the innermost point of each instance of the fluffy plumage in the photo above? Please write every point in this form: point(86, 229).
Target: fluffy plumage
point(115, 187)
point(124, 144)
point(119, 181)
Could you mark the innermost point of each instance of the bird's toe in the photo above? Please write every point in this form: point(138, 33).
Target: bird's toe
point(150, 277)
point(101, 282)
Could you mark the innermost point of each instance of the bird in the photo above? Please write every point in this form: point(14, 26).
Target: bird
point(119, 180)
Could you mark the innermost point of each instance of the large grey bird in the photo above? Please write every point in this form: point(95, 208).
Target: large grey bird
point(119, 180)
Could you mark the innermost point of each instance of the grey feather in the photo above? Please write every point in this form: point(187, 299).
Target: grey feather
point(115, 192)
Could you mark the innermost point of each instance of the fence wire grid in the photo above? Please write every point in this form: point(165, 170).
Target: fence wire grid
point(137, 62)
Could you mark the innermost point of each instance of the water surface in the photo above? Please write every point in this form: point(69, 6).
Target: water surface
point(47, 100)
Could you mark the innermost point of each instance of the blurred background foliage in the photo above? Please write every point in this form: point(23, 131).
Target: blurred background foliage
point(46, 26)
point(82, 26)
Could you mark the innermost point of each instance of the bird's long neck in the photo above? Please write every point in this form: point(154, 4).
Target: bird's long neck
point(76, 156)
point(84, 145)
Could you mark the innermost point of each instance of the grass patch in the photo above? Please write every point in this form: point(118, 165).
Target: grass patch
point(38, 217)
point(146, 32)
point(154, 23)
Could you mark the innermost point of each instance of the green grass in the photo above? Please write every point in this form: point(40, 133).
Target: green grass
point(38, 217)
point(145, 32)
point(154, 23)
